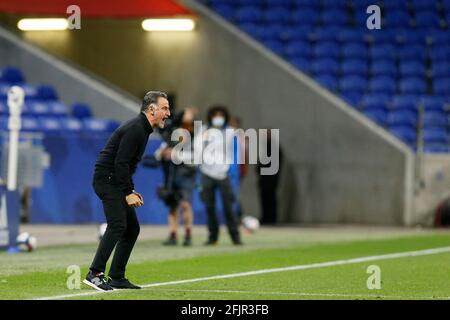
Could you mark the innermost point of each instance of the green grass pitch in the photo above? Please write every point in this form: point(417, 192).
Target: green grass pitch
point(43, 273)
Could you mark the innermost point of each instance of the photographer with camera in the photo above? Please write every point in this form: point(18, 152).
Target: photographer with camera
point(179, 180)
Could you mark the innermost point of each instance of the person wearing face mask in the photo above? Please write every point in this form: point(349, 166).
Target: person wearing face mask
point(217, 144)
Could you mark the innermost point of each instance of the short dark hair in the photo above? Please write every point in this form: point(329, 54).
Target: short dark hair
point(151, 97)
point(215, 109)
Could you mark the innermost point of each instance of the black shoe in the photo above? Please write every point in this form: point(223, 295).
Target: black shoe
point(170, 242)
point(187, 242)
point(97, 281)
point(238, 243)
point(211, 243)
point(122, 284)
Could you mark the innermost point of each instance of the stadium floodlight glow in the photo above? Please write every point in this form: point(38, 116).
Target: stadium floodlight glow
point(42, 24)
point(176, 24)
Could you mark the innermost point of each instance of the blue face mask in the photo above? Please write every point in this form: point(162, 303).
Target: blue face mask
point(218, 122)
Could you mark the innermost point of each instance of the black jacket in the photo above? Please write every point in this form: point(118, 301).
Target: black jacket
point(124, 150)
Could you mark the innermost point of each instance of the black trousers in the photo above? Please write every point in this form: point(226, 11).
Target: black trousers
point(122, 230)
point(208, 195)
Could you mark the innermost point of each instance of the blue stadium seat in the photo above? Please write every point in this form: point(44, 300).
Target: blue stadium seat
point(271, 32)
point(244, 3)
point(252, 29)
point(50, 125)
point(306, 16)
point(440, 69)
point(377, 115)
point(30, 124)
point(383, 84)
point(11, 75)
point(435, 135)
point(412, 69)
point(326, 50)
point(39, 109)
point(423, 5)
point(382, 52)
point(95, 125)
point(352, 84)
point(353, 99)
point(351, 35)
point(248, 14)
point(313, 4)
point(333, 4)
point(381, 36)
point(440, 38)
point(360, 18)
point(427, 19)
point(327, 81)
point(71, 124)
point(354, 67)
point(57, 109)
point(325, 34)
point(397, 18)
point(3, 122)
point(402, 117)
point(354, 50)
point(404, 36)
point(440, 53)
point(441, 86)
point(46, 93)
point(4, 110)
point(277, 14)
point(390, 5)
point(384, 68)
point(81, 111)
point(278, 3)
point(337, 17)
point(359, 5)
point(293, 33)
point(435, 118)
point(275, 45)
point(225, 10)
point(415, 52)
point(433, 103)
point(301, 63)
point(405, 102)
point(413, 85)
point(405, 133)
point(325, 66)
point(376, 101)
point(297, 49)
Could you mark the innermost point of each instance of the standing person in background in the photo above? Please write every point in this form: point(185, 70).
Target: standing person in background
point(113, 184)
point(241, 148)
point(215, 176)
point(268, 185)
point(180, 181)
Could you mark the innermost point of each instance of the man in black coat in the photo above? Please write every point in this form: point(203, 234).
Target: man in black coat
point(114, 185)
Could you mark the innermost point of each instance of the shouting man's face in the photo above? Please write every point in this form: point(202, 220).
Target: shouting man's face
point(161, 112)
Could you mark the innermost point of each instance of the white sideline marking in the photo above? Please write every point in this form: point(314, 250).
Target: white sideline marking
point(264, 271)
point(303, 294)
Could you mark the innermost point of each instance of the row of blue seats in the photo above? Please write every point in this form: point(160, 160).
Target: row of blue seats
point(50, 108)
point(331, 17)
point(358, 50)
point(399, 36)
point(408, 102)
point(430, 119)
point(385, 67)
point(430, 136)
point(355, 4)
point(40, 92)
point(58, 125)
point(358, 84)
